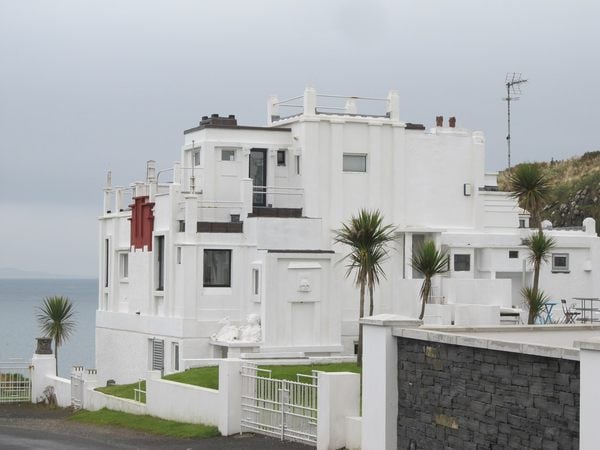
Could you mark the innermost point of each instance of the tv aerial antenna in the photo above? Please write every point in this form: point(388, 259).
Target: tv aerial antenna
point(513, 84)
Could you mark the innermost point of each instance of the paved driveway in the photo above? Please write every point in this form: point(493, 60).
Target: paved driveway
point(31, 427)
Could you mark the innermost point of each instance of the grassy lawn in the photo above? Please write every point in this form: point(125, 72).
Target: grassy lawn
point(208, 377)
point(147, 424)
point(123, 390)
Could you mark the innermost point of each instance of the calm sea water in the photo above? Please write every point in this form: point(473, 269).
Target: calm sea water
point(19, 327)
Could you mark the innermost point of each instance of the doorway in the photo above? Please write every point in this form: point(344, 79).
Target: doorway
point(258, 173)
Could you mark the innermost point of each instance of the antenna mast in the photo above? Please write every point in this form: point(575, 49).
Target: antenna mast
point(513, 90)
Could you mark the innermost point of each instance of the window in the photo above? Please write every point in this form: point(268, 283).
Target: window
point(181, 227)
point(106, 255)
point(521, 223)
point(178, 255)
point(297, 164)
point(560, 262)
point(255, 281)
point(228, 154)
point(513, 254)
point(160, 263)
point(281, 158)
point(124, 265)
point(196, 157)
point(175, 356)
point(355, 163)
point(462, 263)
point(217, 268)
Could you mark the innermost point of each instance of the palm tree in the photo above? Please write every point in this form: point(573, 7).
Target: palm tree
point(429, 261)
point(531, 188)
point(55, 317)
point(368, 238)
point(536, 302)
point(540, 248)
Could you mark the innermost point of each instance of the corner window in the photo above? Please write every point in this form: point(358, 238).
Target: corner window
point(228, 154)
point(217, 268)
point(124, 265)
point(255, 281)
point(355, 163)
point(513, 254)
point(159, 249)
point(560, 262)
point(196, 157)
point(281, 158)
point(462, 263)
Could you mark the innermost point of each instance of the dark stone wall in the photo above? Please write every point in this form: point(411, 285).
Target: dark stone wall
point(454, 397)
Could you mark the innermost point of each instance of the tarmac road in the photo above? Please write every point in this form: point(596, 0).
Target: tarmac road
point(32, 427)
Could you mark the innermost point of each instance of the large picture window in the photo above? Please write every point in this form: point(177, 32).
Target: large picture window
point(217, 268)
point(355, 163)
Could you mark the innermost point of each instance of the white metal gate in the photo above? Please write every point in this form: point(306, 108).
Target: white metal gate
point(280, 408)
point(15, 382)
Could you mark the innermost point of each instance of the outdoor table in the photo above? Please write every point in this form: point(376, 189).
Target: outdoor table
point(589, 305)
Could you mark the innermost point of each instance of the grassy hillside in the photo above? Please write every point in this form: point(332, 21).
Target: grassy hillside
point(575, 189)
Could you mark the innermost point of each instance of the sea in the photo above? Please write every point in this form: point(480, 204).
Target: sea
point(19, 300)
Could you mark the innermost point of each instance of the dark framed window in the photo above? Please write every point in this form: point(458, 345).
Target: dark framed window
point(560, 262)
point(228, 154)
point(521, 223)
point(462, 263)
point(513, 254)
point(181, 227)
point(217, 268)
point(281, 158)
point(106, 256)
point(160, 263)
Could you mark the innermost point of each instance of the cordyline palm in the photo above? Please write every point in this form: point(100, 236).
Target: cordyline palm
point(55, 317)
point(536, 302)
point(430, 262)
point(531, 188)
point(540, 248)
point(367, 237)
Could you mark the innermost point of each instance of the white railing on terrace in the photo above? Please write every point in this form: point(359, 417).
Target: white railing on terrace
point(279, 196)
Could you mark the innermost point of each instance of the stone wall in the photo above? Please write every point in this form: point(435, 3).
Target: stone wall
point(473, 398)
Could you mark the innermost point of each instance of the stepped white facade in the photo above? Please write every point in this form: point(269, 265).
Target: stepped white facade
point(243, 225)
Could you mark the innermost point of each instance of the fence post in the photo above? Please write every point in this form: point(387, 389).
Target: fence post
point(230, 396)
point(589, 395)
point(380, 380)
point(338, 397)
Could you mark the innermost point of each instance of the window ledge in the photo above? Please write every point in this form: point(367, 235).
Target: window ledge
point(561, 271)
point(214, 290)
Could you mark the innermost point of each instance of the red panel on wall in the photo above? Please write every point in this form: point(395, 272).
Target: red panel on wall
point(142, 222)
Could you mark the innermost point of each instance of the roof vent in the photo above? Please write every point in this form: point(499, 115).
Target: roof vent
point(217, 121)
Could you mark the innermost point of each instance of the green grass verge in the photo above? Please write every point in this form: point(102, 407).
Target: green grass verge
point(147, 424)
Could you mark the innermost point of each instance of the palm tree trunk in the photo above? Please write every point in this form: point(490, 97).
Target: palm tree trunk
point(424, 295)
point(56, 357)
point(371, 299)
point(360, 327)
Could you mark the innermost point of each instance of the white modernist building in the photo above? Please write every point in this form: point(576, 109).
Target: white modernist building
point(242, 225)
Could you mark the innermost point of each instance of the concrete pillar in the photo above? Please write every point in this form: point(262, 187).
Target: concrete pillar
point(230, 396)
point(408, 271)
point(246, 189)
point(310, 101)
point(393, 105)
point(380, 380)
point(589, 394)
point(338, 397)
point(272, 109)
point(191, 215)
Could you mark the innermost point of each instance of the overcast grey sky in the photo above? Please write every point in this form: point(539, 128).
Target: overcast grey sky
point(87, 86)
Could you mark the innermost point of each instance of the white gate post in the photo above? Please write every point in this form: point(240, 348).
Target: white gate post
point(380, 380)
point(43, 364)
point(338, 397)
point(230, 396)
point(589, 407)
